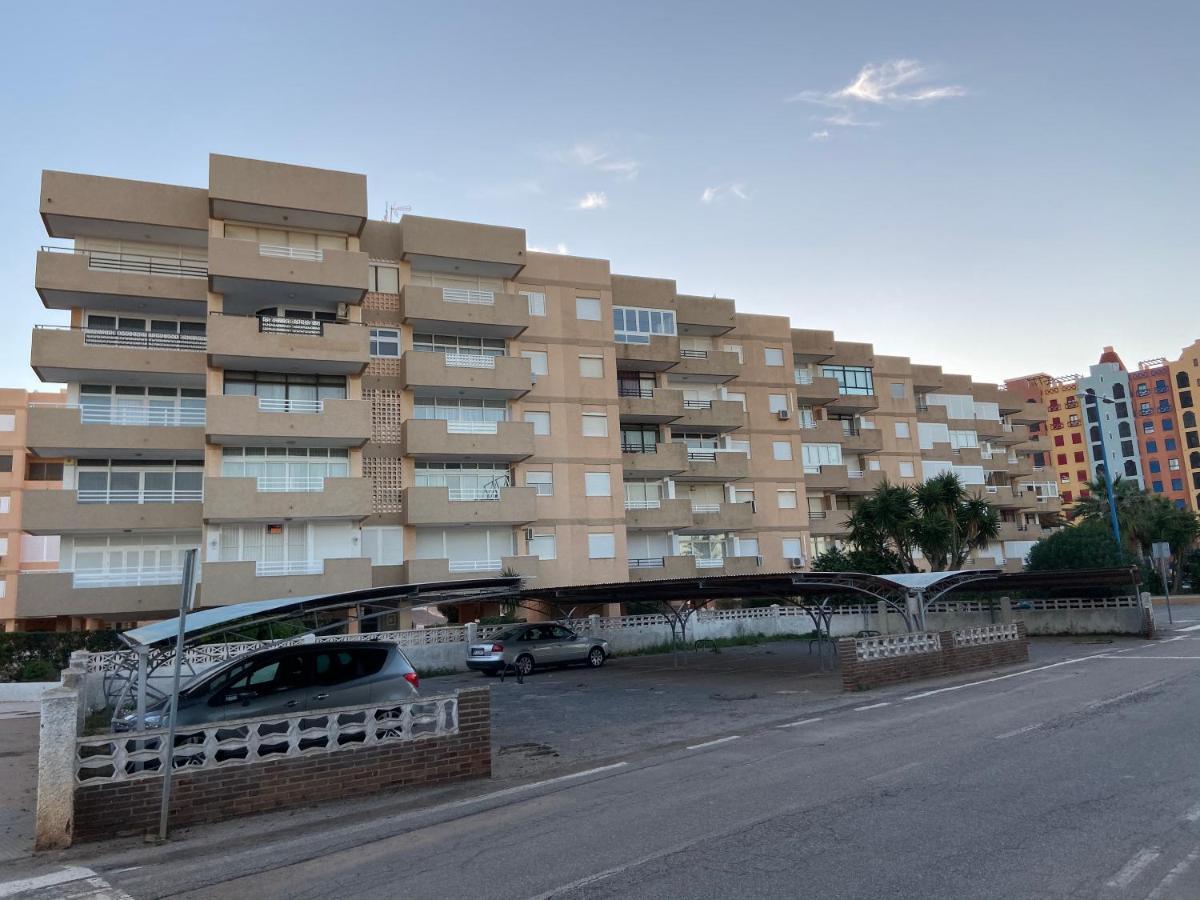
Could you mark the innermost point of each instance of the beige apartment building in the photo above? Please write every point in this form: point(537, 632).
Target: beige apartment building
point(318, 402)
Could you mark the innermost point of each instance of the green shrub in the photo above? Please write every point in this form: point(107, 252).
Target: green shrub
point(41, 655)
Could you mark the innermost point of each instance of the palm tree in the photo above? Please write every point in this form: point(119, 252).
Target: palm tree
point(1135, 515)
point(884, 523)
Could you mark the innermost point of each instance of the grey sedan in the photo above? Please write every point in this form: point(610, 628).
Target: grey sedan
point(522, 647)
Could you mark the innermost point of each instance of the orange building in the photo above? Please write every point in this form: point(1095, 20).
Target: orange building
point(21, 471)
point(1155, 405)
point(1064, 443)
point(1185, 376)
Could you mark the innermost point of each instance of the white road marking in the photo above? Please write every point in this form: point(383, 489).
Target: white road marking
point(62, 876)
point(1150, 657)
point(522, 787)
point(1096, 704)
point(1025, 730)
point(1173, 875)
point(1193, 814)
point(1189, 628)
point(1134, 867)
point(724, 740)
point(872, 706)
point(959, 687)
point(801, 722)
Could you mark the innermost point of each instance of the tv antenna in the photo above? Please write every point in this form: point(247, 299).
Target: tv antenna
point(393, 211)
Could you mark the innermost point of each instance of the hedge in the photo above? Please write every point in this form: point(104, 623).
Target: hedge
point(41, 655)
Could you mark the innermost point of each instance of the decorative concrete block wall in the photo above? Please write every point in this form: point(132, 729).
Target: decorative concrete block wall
point(891, 659)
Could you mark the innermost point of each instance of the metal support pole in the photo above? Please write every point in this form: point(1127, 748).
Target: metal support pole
point(143, 672)
point(1163, 574)
point(185, 602)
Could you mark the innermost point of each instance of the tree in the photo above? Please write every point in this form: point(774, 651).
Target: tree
point(1088, 545)
point(939, 517)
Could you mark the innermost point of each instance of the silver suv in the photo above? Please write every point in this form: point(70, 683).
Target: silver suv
point(283, 680)
point(522, 647)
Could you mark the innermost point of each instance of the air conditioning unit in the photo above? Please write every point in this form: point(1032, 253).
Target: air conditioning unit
point(783, 415)
point(343, 311)
point(797, 562)
point(529, 534)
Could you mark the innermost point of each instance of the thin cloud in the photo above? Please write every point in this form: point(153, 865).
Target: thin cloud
point(822, 135)
point(593, 200)
point(721, 191)
point(592, 157)
point(560, 248)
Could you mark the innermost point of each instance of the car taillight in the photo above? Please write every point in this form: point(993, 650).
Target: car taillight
point(413, 678)
point(497, 648)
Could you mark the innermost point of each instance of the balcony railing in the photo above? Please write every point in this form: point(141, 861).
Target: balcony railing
point(702, 455)
point(816, 514)
point(462, 295)
point(697, 404)
point(854, 473)
point(106, 261)
point(647, 562)
point(147, 340)
point(130, 415)
point(279, 404)
point(644, 393)
point(706, 563)
point(472, 427)
point(108, 495)
point(693, 354)
point(804, 378)
point(133, 577)
point(470, 361)
point(270, 568)
point(643, 504)
point(287, 325)
point(476, 565)
point(291, 252)
point(267, 484)
point(638, 448)
point(706, 507)
point(812, 470)
point(470, 495)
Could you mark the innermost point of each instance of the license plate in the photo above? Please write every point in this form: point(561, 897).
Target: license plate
point(477, 651)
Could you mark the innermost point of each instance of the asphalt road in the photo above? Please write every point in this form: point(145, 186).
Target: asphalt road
point(1070, 779)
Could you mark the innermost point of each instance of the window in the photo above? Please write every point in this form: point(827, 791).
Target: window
point(542, 482)
point(851, 379)
point(279, 386)
point(1062, 459)
point(459, 409)
point(736, 350)
point(587, 308)
point(281, 468)
point(1155, 467)
point(792, 548)
point(1081, 475)
point(8, 422)
point(5, 504)
point(817, 455)
point(1078, 456)
point(542, 546)
point(633, 325)
point(1177, 484)
point(1168, 425)
point(873, 465)
point(39, 549)
point(737, 398)
point(430, 342)
point(775, 402)
point(385, 342)
point(1058, 440)
point(540, 420)
point(639, 438)
point(601, 545)
point(537, 307)
point(43, 471)
point(383, 545)
point(596, 484)
point(1157, 486)
point(1148, 426)
point(591, 367)
point(1151, 446)
point(1169, 444)
point(781, 450)
point(906, 469)
point(383, 279)
point(1077, 438)
point(897, 390)
point(1173, 464)
point(595, 425)
point(773, 356)
point(6, 462)
point(1142, 390)
point(538, 364)
point(787, 499)
point(1066, 495)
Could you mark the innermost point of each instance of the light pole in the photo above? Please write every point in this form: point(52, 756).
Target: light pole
point(1108, 478)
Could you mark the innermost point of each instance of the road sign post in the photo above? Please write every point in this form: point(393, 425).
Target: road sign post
point(1160, 552)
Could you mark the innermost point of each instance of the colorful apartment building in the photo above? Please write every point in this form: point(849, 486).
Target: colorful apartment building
point(1185, 373)
point(1156, 425)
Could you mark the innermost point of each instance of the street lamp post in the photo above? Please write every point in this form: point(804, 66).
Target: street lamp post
point(1108, 477)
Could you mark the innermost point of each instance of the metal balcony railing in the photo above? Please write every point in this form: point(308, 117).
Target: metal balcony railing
point(146, 340)
point(643, 504)
point(470, 495)
point(268, 484)
point(287, 325)
point(170, 416)
point(463, 295)
point(693, 354)
point(127, 577)
point(804, 378)
point(697, 404)
point(706, 508)
point(279, 404)
point(706, 563)
point(638, 448)
point(702, 455)
point(291, 252)
point(644, 393)
point(271, 568)
point(453, 427)
point(476, 565)
point(108, 495)
point(647, 562)
point(140, 263)
point(470, 361)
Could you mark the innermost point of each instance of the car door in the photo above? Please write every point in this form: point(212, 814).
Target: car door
point(571, 647)
point(534, 642)
point(275, 685)
point(340, 676)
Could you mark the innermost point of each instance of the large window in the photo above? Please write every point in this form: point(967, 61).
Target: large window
point(139, 481)
point(383, 279)
point(425, 342)
point(467, 549)
point(633, 325)
point(466, 481)
point(281, 386)
point(587, 308)
point(537, 302)
point(286, 468)
point(639, 438)
point(278, 237)
point(385, 342)
point(146, 558)
point(851, 379)
point(459, 409)
point(137, 405)
point(816, 455)
point(275, 549)
point(36, 470)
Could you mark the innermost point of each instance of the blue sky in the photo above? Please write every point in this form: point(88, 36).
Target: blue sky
point(1022, 176)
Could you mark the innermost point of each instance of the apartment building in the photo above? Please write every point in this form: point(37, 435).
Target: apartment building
point(1185, 373)
point(1062, 440)
point(1155, 426)
point(318, 402)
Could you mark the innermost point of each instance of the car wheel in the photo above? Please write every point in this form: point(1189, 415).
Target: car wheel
point(595, 657)
point(524, 664)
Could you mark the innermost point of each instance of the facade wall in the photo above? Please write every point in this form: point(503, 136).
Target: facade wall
point(1156, 426)
point(1185, 374)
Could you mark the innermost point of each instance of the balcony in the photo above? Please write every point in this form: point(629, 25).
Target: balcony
point(264, 422)
point(281, 499)
point(824, 431)
point(705, 315)
point(826, 478)
point(444, 506)
point(253, 190)
point(715, 465)
point(94, 206)
point(926, 378)
point(815, 390)
point(657, 515)
point(859, 481)
point(434, 439)
point(1015, 531)
point(658, 354)
point(829, 521)
point(94, 512)
point(649, 405)
point(253, 275)
point(223, 583)
point(115, 432)
point(122, 595)
point(421, 571)
point(471, 374)
point(712, 415)
point(663, 459)
point(280, 344)
point(707, 366)
point(851, 404)
point(721, 517)
point(461, 311)
point(444, 245)
point(810, 345)
point(663, 567)
point(66, 278)
point(121, 357)
point(862, 440)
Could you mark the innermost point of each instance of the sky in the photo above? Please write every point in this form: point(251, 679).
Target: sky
point(996, 188)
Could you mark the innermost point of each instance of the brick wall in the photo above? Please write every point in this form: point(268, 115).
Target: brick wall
point(105, 810)
point(863, 674)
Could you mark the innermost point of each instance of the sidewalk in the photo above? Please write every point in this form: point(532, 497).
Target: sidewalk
point(18, 778)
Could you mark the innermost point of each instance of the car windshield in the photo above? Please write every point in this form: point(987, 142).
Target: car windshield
point(508, 634)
